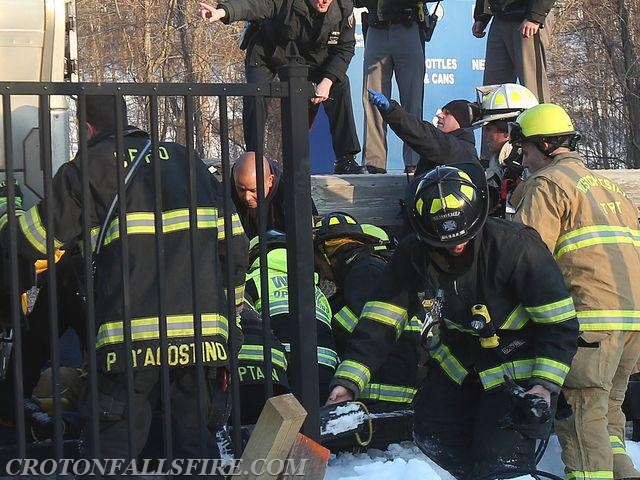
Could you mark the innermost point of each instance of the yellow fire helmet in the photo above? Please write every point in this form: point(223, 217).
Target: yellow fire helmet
point(545, 122)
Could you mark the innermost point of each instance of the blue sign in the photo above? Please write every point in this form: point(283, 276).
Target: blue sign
point(454, 61)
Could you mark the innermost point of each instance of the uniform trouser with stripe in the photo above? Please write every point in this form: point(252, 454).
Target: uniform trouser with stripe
point(510, 58)
point(396, 49)
point(185, 419)
point(458, 427)
point(339, 110)
point(592, 439)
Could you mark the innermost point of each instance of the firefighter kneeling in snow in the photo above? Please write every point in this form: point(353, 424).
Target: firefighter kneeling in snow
point(502, 346)
point(278, 304)
point(353, 256)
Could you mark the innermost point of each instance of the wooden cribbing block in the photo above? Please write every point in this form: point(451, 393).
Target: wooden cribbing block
point(274, 435)
point(314, 455)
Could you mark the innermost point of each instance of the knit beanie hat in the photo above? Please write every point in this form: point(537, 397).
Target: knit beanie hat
point(461, 112)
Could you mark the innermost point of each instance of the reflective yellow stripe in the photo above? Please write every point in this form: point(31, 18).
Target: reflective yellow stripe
point(236, 226)
point(33, 229)
point(143, 223)
point(517, 370)
point(555, 312)
point(596, 235)
point(609, 320)
point(255, 353)
point(617, 445)
point(148, 328)
point(413, 325)
point(327, 357)
point(516, 319)
point(354, 371)
point(386, 313)
point(346, 319)
point(551, 370)
point(450, 364)
point(388, 393)
point(584, 475)
point(239, 294)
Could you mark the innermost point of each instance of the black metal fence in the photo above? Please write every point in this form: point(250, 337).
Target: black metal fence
point(293, 92)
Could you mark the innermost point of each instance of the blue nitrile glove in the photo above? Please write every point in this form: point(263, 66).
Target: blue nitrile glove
point(379, 100)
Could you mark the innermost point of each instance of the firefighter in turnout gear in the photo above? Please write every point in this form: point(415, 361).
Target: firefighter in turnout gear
point(141, 317)
point(505, 316)
point(503, 167)
point(353, 257)
point(278, 303)
point(251, 370)
point(591, 227)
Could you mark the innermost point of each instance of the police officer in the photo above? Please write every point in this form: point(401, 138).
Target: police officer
point(324, 32)
point(499, 313)
point(394, 46)
point(278, 302)
point(142, 320)
point(591, 227)
point(517, 42)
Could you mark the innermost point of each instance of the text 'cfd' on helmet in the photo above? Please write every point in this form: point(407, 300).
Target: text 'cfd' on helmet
point(541, 123)
point(342, 225)
point(501, 102)
point(447, 208)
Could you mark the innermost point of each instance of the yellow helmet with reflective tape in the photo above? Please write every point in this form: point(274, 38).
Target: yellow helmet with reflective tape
point(447, 208)
point(342, 225)
point(546, 122)
point(502, 102)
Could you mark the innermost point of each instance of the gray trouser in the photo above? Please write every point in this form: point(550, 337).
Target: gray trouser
point(398, 49)
point(510, 57)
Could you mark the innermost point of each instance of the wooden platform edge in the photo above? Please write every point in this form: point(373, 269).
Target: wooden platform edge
point(376, 198)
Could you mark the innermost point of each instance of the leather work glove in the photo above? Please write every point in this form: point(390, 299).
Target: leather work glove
point(379, 100)
point(530, 414)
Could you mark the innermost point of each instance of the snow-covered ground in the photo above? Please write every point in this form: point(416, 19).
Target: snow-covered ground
point(406, 461)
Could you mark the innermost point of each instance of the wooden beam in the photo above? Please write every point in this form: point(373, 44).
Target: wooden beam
point(274, 436)
point(376, 198)
point(309, 459)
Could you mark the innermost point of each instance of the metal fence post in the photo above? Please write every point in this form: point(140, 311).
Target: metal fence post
point(297, 183)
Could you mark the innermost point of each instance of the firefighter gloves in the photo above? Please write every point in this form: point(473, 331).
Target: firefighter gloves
point(530, 414)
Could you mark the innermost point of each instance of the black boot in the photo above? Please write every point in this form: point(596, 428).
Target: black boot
point(346, 164)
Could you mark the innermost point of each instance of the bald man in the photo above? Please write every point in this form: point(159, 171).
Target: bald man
point(245, 193)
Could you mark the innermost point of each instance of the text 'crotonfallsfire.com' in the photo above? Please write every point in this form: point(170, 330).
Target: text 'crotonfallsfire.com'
point(120, 466)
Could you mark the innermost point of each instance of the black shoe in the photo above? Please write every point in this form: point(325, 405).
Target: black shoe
point(347, 165)
point(410, 169)
point(372, 169)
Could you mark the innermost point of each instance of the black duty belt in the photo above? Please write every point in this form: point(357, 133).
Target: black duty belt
point(403, 19)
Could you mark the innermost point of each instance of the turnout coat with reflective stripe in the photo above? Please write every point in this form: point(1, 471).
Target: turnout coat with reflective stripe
point(184, 292)
point(508, 269)
point(592, 229)
point(356, 273)
point(278, 303)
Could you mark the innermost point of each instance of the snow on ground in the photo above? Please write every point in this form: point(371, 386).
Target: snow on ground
point(406, 461)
